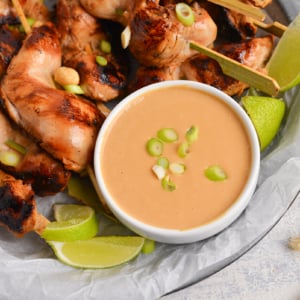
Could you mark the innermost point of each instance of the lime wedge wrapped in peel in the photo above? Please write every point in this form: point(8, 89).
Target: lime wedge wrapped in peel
point(284, 64)
point(266, 114)
point(74, 222)
point(99, 252)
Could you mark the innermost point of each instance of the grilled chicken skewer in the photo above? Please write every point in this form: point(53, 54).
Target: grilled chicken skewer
point(159, 39)
point(81, 36)
point(18, 212)
point(46, 175)
point(253, 53)
point(63, 124)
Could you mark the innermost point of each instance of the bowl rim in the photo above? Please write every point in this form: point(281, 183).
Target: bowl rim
point(177, 236)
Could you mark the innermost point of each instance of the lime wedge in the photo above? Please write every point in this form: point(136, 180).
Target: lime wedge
point(284, 64)
point(74, 222)
point(99, 252)
point(266, 114)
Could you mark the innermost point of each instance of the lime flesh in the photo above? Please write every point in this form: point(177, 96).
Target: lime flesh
point(74, 222)
point(284, 64)
point(266, 115)
point(98, 252)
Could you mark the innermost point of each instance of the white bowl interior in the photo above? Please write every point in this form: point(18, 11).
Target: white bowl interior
point(197, 233)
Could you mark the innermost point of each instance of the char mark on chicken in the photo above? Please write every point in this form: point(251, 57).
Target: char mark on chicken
point(63, 124)
point(18, 211)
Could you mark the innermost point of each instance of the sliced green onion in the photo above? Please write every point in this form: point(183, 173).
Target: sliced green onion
point(215, 173)
point(163, 162)
point(15, 146)
point(177, 168)
point(159, 171)
point(105, 46)
point(192, 134)
point(167, 135)
point(168, 184)
point(101, 60)
point(73, 88)
point(10, 158)
point(148, 247)
point(155, 147)
point(183, 149)
point(184, 14)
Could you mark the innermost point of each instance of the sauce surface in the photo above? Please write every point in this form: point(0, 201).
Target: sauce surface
point(126, 165)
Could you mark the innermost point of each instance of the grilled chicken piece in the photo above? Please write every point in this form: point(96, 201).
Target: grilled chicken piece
point(159, 39)
point(232, 26)
point(46, 175)
point(258, 3)
point(36, 10)
point(114, 10)
point(147, 75)
point(18, 211)
point(253, 53)
point(10, 43)
point(63, 124)
point(81, 35)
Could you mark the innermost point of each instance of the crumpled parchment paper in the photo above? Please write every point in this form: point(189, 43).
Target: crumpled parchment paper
point(29, 270)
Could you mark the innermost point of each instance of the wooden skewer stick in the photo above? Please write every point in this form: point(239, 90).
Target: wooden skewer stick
point(275, 28)
point(240, 72)
point(243, 8)
point(21, 15)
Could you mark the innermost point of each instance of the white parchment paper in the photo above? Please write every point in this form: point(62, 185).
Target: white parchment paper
point(29, 270)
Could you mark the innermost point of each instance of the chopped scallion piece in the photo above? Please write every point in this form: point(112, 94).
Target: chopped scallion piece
point(167, 135)
point(101, 60)
point(192, 134)
point(148, 247)
point(168, 184)
point(163, 162)
point(10, 158)
point(183, 149)
point(73, 88)
point(184, 14)
point(105, 46)
point(154, 147)
point(215, 173)
point(177, 168)
point(15, 146)
point(159, 171)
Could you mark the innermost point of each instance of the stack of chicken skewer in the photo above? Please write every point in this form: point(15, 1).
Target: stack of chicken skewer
point(56, 128)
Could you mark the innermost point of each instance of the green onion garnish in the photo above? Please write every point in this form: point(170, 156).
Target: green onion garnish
point(167, 135)
point(105, 46)
point(15, 146)
point(101, 60)
point(155, 147)
point(163, 162)
point(10, 158)
point(73, 88)
point(192, 134)
point(183, 149)
point(168, 184)
point(215, 173)
point(184, 14)
point(177, 168)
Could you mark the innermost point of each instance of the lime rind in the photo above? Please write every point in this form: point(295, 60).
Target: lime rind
point(266, 114)
point(284, 64)
point(72, 227)
point(99, 252)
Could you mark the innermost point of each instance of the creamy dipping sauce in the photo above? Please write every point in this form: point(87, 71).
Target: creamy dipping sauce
point(126, 165)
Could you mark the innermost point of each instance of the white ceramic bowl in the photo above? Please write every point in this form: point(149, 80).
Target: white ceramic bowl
point(198, 233)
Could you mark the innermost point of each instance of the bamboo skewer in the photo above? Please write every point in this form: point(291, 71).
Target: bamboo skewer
point(243, 8)
point(21, 15)
point(240, 72)
point(275, 28)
